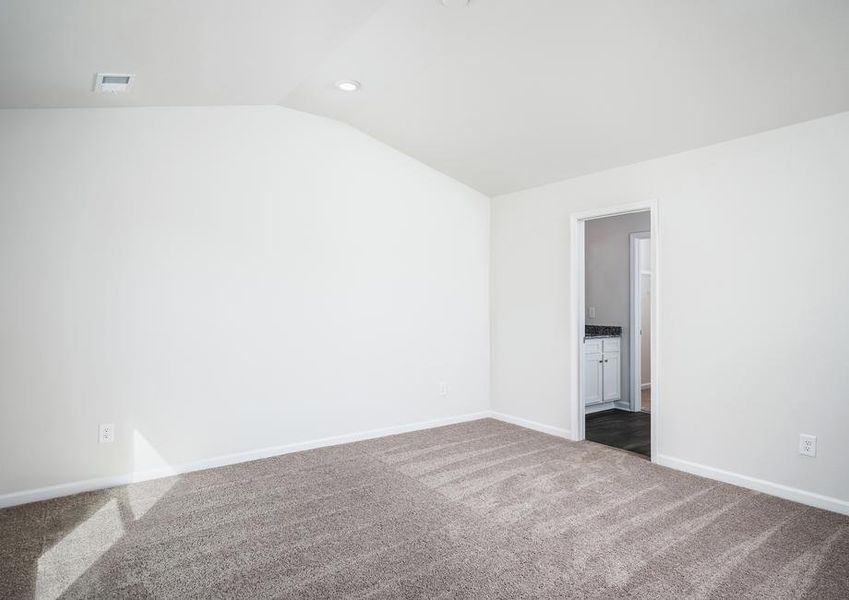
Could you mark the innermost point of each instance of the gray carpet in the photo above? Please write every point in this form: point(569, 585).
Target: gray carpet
point(477, 510)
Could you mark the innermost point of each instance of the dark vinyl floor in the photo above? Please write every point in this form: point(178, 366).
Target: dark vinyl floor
point(621, 429)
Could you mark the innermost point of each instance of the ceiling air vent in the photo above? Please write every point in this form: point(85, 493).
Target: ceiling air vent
point(112, 83)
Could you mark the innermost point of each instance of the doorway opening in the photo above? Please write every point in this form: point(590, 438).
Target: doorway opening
point(614, 277)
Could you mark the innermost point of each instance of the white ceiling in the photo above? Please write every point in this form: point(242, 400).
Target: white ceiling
point(503, 94)
point(183, 52)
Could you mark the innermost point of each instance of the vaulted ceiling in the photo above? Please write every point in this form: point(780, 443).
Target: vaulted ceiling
point(500, 94)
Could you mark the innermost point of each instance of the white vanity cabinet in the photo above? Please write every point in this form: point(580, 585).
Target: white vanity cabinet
point(602, 370)
point(593, 372)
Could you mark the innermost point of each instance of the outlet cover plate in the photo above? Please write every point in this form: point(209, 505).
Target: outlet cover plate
point(106, 433)
point(807, 445)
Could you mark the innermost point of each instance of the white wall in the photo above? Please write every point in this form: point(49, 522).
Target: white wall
point(754, 287)
point(217, 280)
point(608, 279)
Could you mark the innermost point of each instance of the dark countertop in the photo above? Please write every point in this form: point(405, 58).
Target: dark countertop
point(594, 331)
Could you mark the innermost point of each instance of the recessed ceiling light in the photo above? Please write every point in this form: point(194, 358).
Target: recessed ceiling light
point(455, 3)
point(348, 85)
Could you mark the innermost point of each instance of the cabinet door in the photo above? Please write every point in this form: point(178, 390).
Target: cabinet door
point(592, 377)
point(612, 376)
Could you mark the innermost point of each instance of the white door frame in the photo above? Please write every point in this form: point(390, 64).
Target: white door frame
point(636, 316)
point(577, 222)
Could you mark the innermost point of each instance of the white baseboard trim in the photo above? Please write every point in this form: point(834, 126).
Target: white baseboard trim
point(87, 485)
point(76, 487)
point(594, 408)
point(563, 433)
point(759, 485)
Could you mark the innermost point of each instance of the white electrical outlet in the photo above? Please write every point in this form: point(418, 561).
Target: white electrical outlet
point(443, 388)
point(592, 312)
point(808, 445)
point(106, 433)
